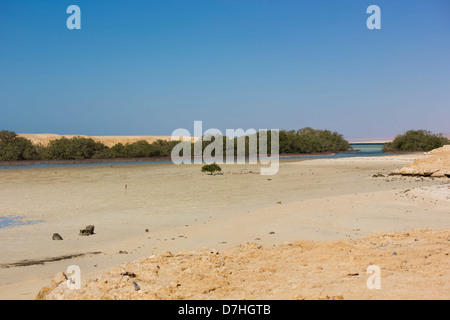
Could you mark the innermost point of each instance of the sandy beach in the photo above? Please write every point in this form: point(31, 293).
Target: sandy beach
point(143, 211)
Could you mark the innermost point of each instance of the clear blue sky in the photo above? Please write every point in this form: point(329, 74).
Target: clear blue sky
point(149, 67)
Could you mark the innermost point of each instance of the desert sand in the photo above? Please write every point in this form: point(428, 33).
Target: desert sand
point(312, 230)
point(414, 265)
point(45, 138)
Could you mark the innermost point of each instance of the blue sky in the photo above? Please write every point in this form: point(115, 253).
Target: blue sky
point(149, 67)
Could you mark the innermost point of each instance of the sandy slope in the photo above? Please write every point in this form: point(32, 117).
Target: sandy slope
point(45, 138)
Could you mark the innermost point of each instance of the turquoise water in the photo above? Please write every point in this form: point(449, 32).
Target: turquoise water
point(367, 150)
point(368, 147)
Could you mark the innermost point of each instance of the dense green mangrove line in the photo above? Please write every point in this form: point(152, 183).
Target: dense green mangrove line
point(306, 140)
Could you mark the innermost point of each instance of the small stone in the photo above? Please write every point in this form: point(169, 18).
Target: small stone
point(129, 274)
point(394, 254)
point(271, 232)
point(378, 174)
point(123, 252)
point(136, 286)
point(167, 254)
point(56, 236)
point(87, 231)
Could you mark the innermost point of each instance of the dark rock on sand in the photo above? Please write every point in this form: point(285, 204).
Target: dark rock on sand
point(136, 286)
point(378, 174)
point(129, 274)
point(56, 236)
point(87, 231)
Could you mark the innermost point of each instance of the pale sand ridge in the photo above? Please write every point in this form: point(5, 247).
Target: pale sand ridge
point(45, 138)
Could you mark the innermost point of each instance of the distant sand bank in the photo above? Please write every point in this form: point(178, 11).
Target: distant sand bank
point(369, 140)
point(45, 138)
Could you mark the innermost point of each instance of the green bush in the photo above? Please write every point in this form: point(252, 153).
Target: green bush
point(116, 151)
point(139, 149)
point(308, 140)
point(14, 148)
point(211, 168)
point(76, 148)
point(416, 140)
point(162, 148)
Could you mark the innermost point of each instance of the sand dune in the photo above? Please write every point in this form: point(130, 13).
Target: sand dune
point(45, 138)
